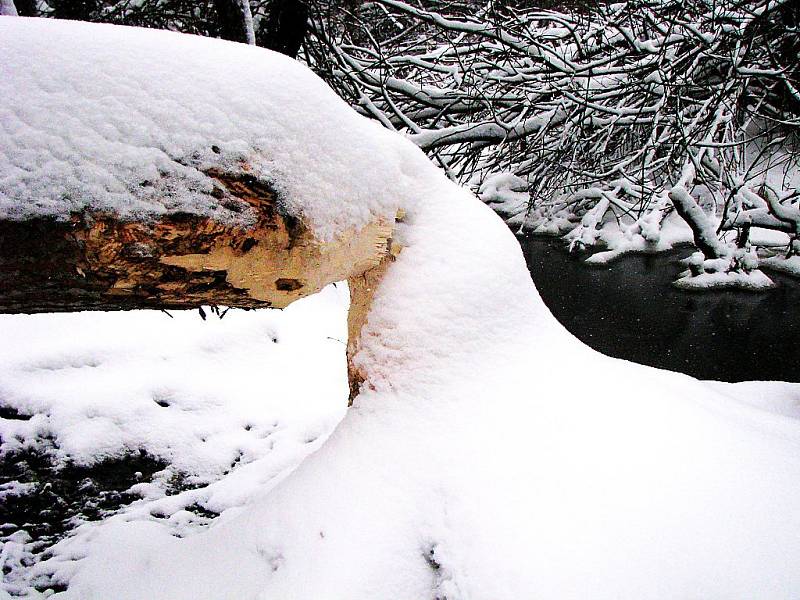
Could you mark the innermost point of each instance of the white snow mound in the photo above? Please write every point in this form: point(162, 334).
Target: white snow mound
point(130, 120)
point(494, 457)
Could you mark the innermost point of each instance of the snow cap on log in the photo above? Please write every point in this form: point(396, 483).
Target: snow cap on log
point(138, 124)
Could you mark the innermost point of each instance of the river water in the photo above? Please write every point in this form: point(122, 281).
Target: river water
point(631, 310)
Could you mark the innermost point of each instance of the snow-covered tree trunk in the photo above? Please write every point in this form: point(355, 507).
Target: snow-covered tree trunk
point(705, 234)
point(235, 20)
point(7, 8)
point(101, 262)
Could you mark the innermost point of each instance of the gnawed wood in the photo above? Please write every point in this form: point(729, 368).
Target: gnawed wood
point(362, 292)
point(94, 261)
point(278, 267)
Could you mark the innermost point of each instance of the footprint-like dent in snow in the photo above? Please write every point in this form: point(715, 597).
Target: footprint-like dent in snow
point(274, 558)
point(165, 398)
point(444, 585)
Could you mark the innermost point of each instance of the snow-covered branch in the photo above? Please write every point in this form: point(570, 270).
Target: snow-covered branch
point(648, 106)
point(7, 8)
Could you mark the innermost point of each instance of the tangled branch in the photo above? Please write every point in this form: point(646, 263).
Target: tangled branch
point(627, 112)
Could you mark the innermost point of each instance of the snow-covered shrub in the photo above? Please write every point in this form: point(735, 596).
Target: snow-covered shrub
point(616, 117)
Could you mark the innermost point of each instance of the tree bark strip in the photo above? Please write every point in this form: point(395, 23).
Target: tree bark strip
point(95, 261)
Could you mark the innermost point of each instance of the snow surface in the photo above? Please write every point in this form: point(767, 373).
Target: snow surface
point(7, 8)
point(779, 397)
point(495, 458)
point(129, 121)
point(790, 265)
point(492, 455)
point(228, 405)
point(186, 391)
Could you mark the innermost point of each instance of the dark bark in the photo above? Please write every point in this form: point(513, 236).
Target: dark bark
point(74, 10)
point(231, 21)
point(285, 28)
point(743, 236)
point(97, 263)
point(26, 8)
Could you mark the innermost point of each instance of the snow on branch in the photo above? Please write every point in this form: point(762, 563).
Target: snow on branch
point(645, 106)
point(7, 8)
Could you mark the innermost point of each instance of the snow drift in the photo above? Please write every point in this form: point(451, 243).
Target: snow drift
point(449, 478)
point(129, 121)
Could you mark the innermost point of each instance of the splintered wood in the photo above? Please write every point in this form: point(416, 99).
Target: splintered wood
point(362, 292)
point(94, 261)
point(280, 267)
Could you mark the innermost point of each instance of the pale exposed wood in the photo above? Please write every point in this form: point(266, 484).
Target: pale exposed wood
point(279, 269)
point(362, 292)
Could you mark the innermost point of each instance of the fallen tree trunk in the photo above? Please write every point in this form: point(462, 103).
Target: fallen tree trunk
point(96, 261)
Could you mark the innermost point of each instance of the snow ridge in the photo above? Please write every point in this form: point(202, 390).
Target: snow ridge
point(127, 120)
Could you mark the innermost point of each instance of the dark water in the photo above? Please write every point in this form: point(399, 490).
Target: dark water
point(631, 310)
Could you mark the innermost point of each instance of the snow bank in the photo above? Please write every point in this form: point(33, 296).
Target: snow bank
point(185, 391)
point(649, 234)
point(130, 121)
point(755, 281)
point(605, 235)
point(778, 397)
point(491, 455)
point(228, 406)
point(495, 457)
point(737, 270)
point(789, 265)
